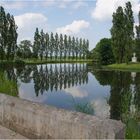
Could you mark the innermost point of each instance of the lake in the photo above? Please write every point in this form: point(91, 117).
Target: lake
point(110, 93)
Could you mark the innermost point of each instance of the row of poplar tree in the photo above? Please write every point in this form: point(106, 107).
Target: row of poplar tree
point(123, 38)
point(45, 45)
point(8, 35)
point(58, 46)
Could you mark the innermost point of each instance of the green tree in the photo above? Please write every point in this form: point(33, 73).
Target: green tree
point(51, 46)
point(47, 43)
point(73, 47)
point(61, 46)
point(118, 35)
point(42, 44)
point(36, 45)
point(8, 35)
point(56, 47)
point(3, 31)
point(80, 48)
point(104, 51)
point(129, 26)
point(122, 33)
point(69, 46)
point(137, 42)
point(24, 49)
point(65, 46)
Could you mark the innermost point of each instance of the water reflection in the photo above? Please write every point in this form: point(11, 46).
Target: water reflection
point(112, 93)
point(124, 91)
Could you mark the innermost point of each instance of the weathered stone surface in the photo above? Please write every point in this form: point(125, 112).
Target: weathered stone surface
point(34, 120)
point(9, 134)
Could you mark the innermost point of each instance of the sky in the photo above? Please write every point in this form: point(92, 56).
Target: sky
point(89, 19)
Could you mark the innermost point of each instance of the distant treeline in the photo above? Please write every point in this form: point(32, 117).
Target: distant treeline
point(52, 46)
point(45, 45)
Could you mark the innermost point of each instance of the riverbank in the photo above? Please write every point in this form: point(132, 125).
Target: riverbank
point(123, 67)
point(30, 62)
point(37, 61)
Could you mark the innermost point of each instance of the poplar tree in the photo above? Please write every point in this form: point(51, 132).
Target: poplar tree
point(137, 47)
point(56, 47)
point(36, 45)
point(69, 47)
point(61, 46)
point(118, 35)
point(65, 46)
point(80, 48)
point(47, 43)
point(8, 35)
point(129, 26)
point(42, 44)
point(51, 46)
point(76, 48)
point(3, 32)
point(73, 47)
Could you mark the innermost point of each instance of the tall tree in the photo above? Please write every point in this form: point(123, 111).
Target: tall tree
point(118, 35)
point(42, 44)
point(47, 43)
point(8, 35)
point(24, 49)
point(80, 48)
point(137, 47)
point(3, 31)
point(56, 47)
point(36, 45)
point(69, 46)
point(73, 47)
point(65, 46)
point(61, 46)
point(51, 46)
point(129, 26)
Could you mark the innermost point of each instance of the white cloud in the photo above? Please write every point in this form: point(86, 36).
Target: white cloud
point(105, 8)
point(13, 4)
point(79, 4)
point(27, 24)
point(75, 27)
point(76, 92)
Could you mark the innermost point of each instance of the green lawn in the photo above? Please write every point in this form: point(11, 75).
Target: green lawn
point(123, 66)
point(38, 61)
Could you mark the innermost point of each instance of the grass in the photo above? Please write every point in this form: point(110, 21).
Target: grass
point(124, 66)
point(38, 61)
point(84, 108)
point(8, 87)
point(44, 61)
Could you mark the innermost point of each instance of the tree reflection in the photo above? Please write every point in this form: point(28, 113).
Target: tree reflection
point(53, 77)
point(122, 89)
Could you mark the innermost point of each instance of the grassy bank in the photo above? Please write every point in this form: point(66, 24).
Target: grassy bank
point(38, 61)
point(124, 66)
point(31, 61)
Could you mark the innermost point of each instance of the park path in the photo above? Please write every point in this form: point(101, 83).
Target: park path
point(9, 134)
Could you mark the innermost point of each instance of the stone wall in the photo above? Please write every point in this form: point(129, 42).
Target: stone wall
point(34, 120)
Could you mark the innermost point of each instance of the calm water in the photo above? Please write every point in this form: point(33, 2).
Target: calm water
point(64, 85)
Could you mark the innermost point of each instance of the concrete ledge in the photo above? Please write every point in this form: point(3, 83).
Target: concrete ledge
point(34, 120)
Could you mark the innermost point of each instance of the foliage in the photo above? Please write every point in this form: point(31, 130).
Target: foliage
point(8, 35)
point(59, 46)
point(122, 33)
point(84, 108)
point(8, 86)
point(19, 63)
point(137, 41)
point(24, 49)
point(103, 52)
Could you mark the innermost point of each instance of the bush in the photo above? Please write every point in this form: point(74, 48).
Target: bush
point(19, 63)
